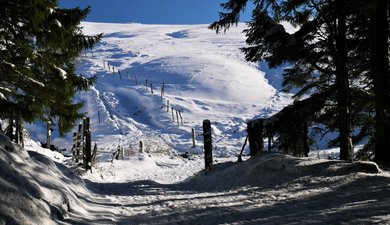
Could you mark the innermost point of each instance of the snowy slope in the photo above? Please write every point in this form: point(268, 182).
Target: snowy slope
point(205, 77)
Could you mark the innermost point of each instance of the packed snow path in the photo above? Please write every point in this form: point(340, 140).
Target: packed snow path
point(267, 189)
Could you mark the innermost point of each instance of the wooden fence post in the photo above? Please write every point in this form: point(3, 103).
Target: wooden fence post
point(118, 152)
point(151, 88)
point(94, 153)
point(104, 64)
point(167, 105)
point(99, 115)
point(177, 117)
point(87, 153)
point(120, 75)
point(208, 146)
point(141, 147)
point(173, 117)
point(255, 136)
point(162, 90)
point(181, 118)
point(136, 80)
point(193, 137)
point(48, 134)
point(74, 148)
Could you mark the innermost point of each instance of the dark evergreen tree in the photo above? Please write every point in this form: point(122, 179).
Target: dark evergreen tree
point(379, 19)
point(38, 44)
point(341, 45)
point(317, 51)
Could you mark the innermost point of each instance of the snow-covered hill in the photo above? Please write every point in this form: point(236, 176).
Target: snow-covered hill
point(205, 77)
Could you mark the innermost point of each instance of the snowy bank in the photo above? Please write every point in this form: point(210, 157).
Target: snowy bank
point(267, 189)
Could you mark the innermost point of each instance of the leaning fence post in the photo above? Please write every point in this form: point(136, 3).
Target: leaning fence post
point(74, 149)
point(208, 147)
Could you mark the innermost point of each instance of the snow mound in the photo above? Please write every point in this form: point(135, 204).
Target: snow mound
point(34, 189)
point(270, 169)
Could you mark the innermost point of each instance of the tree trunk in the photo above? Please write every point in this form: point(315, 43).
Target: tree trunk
point(10, 131)
point(379, 63)
point(342, 84)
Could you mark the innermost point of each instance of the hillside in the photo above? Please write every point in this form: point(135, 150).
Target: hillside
point(205, 76)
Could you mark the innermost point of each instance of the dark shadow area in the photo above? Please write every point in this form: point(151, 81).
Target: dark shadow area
point(179, 34)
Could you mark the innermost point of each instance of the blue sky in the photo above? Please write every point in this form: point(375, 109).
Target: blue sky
point(152, 11)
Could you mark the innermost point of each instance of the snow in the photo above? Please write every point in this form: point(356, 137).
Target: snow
point(205, 77)
point(267, 189)
point(61, 72)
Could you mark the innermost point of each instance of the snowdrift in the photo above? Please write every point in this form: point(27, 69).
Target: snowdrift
point(270, 169)
point(34, 188)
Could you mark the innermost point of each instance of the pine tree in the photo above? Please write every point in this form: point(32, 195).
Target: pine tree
point(317, 51)
point(341, 47)
point(379, 19)
point(38, 44)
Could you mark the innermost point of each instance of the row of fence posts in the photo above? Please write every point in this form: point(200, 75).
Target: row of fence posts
point(112, 68)
point(254, 128)
point(176, 114)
